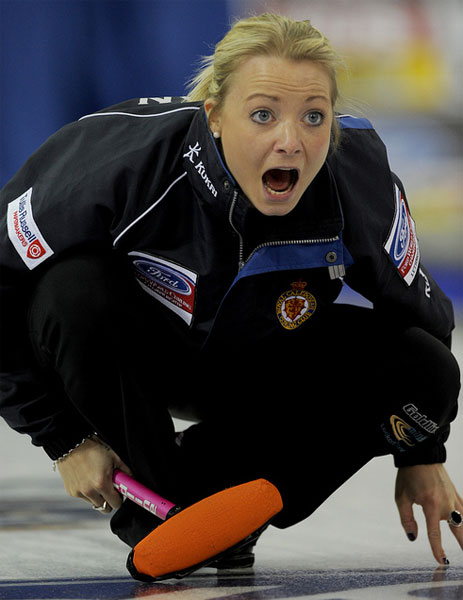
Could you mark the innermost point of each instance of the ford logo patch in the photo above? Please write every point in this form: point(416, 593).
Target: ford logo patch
point(164, 276)
point(403, 234)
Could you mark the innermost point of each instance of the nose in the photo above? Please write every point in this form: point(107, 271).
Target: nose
point(288, 139)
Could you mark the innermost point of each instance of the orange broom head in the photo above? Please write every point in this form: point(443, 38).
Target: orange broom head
point(207, 528)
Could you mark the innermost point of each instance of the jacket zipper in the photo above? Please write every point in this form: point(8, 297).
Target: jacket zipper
point(240, 237)
point(242, 262)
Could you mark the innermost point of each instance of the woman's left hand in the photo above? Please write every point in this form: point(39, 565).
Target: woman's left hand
point(429, 486)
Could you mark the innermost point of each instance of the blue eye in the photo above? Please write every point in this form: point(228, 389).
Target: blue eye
point(314, 117)
point(261, 116)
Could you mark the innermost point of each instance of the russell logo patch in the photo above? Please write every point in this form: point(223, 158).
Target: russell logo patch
point(295, 306)
point(402, 243)
point(24, 233)
point(171, 284)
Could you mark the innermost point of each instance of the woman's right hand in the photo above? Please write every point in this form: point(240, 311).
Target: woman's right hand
point(87, 473)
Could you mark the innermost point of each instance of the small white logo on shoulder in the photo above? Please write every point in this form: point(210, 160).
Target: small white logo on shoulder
point(24, 233)
point(193, 152)
point(159, 99)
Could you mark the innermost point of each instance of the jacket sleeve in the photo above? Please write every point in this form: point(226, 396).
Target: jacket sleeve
point(388, 270)
point(78, 189)
point(43, 214)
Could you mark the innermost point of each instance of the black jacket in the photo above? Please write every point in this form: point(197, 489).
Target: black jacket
point(146, 178)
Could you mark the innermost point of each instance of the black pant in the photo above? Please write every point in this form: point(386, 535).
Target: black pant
point(304, 411)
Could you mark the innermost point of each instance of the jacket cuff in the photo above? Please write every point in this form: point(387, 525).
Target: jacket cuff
point(58, 448)
point(435, 453)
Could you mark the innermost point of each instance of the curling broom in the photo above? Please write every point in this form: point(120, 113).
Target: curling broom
point(195, 536)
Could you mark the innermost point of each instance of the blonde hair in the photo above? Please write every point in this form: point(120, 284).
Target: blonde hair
point(263, 35)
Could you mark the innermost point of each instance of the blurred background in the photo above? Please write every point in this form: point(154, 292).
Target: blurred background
point(60, 59)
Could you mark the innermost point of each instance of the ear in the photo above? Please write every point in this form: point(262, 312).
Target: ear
point(212, 117)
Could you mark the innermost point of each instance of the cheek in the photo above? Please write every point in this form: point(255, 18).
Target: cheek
point(319, 149)
point(242, 154)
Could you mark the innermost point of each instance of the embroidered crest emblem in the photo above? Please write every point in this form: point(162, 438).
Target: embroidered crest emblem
point(295, 306)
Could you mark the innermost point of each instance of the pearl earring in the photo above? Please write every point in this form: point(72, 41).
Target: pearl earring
point(216, 135)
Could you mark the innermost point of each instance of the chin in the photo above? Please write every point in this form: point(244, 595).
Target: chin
point(275, 211)
point(274, 208)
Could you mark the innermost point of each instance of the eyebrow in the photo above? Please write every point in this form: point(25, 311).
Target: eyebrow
point(277, 99)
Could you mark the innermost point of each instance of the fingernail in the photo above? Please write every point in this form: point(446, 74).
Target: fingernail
point(411, 537)
point(445, 560)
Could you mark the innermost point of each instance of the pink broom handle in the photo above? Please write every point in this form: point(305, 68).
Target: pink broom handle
point(141, 495)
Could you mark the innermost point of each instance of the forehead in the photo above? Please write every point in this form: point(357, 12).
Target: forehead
point(279, 76)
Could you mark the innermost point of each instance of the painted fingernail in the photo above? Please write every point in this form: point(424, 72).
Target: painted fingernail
point(411, 537)
point(445, 560)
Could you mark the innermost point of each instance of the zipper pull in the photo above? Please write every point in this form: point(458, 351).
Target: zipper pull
point(336, 271)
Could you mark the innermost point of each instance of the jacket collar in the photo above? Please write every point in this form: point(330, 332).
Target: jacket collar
point(207, 173)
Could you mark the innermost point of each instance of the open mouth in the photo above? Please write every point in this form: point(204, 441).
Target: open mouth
point(279, 182)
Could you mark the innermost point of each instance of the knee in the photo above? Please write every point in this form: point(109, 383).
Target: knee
point(70, 290)
point(72, 299)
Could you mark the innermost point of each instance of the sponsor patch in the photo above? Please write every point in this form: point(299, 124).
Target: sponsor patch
point(192, 155)
point(403, 434)
point(295, 306)
point(402, 244)
point(399, 429)
point(24, 233)
point(421, 419)
point(171, 284)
